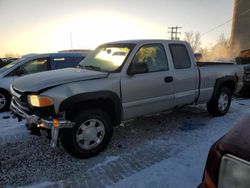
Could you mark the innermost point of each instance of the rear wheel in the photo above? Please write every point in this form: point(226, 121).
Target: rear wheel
point(90, 136)
point(5, 98)
point(220, 105)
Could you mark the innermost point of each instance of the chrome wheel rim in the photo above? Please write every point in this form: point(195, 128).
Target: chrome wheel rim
point(90, 134)
point(223, 102)
point(2, 101)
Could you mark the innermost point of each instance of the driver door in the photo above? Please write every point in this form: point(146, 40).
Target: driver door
point(149, 92)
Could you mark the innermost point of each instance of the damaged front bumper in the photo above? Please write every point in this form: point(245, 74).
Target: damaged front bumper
point(54, 124)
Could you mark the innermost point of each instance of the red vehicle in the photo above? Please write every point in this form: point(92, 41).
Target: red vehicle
point(244, 58)
point(228, 162)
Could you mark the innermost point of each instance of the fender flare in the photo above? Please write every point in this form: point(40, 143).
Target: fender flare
point(220, 82)
point(79, 98)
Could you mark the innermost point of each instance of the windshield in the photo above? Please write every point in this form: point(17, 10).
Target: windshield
point(107, 58)
point(8, 66)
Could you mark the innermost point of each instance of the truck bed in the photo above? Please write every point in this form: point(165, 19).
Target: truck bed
point(211, 71)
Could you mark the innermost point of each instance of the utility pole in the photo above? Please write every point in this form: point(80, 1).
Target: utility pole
point(174, 32)
point(71, 42)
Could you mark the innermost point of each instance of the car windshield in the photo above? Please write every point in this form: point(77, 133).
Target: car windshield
point(107, 58)
point(8, 66)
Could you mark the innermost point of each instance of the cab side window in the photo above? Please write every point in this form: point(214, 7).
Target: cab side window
point(154, 56)
point(34, 66)
point(180, 56)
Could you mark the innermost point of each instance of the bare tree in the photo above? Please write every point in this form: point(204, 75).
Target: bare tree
point(12, 55)
point(222, 42)
point(194, 39)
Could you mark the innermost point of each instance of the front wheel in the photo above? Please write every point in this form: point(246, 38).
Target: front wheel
point(90, 136)
point(220, 105)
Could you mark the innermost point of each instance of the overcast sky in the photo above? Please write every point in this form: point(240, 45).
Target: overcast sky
point(35, 26)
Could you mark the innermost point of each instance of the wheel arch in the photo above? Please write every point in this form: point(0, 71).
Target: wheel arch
point(105, 100)
point(5, 90)
point(7, 96)
point(229, 81)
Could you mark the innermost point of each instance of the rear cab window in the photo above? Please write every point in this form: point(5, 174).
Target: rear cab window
point(180, 56)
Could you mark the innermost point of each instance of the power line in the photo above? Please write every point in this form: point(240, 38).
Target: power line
point(220, 25)
point(71, 42)
point(216, 27)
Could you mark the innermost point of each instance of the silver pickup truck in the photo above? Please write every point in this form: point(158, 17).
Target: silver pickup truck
point(117, 82)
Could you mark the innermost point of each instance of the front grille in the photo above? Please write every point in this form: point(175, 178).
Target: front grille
point(15, 92)
point(20, 100)
point(21, 105)
point(247, 73)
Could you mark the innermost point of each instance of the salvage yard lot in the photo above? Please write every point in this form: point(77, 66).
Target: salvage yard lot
point(151, 151)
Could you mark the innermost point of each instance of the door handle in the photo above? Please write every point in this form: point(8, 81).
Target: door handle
point(168, 79)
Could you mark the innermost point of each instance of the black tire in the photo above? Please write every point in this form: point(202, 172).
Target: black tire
point(4, 105)
point(215, 108)
point(69, 136)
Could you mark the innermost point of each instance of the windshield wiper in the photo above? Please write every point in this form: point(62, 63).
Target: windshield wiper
point(91, 67)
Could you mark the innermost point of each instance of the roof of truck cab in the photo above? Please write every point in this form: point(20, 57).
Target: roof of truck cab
point(145, 41)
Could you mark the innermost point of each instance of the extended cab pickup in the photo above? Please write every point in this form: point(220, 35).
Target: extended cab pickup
point(116, 82)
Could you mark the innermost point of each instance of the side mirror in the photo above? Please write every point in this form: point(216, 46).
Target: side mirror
point(137, 68)
point(19, 72)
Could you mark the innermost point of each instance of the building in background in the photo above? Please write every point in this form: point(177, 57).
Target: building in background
point(240, 36)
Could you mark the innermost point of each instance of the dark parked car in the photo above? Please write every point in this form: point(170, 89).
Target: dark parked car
point(6, 61)
point(228, 162)
point(33, 63)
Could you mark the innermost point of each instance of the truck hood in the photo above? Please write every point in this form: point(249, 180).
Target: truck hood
point(43, 80)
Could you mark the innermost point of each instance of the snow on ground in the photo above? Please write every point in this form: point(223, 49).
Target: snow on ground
point(164, 150)
point(185, 169)
point(10, 129)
